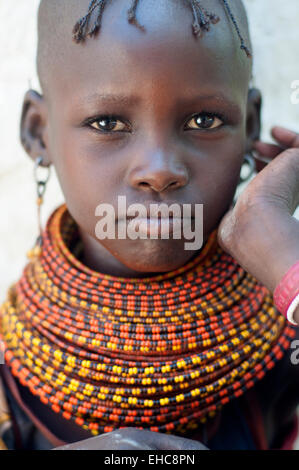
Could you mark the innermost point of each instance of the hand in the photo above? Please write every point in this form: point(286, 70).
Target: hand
point(260, 232)
point(134, 439)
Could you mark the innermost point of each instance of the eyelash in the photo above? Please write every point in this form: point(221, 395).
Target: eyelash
point(91, 121)
point(220, 116)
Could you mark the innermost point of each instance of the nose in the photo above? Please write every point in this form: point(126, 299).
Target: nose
point(158, 170)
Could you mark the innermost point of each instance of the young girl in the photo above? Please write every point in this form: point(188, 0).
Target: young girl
point(123, 343)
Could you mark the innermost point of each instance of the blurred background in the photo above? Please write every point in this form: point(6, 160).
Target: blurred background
point(275, 36)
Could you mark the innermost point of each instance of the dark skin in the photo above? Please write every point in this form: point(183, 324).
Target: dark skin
point(155, 157)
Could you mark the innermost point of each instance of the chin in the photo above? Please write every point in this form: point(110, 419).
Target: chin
point(156, 258)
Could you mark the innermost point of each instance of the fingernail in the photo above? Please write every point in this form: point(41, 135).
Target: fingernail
point(260, 157)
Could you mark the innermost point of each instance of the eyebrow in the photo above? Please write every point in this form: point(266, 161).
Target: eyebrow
point(217, 98)
point(109, 98)
point(130, 100)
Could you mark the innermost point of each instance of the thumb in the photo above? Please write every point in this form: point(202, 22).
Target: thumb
point(225, 230)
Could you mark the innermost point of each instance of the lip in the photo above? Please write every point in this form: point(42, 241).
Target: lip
point(152, 210)
point(163, 226)
point(153, 217)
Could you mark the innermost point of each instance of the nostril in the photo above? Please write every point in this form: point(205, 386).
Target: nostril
point(157, 187)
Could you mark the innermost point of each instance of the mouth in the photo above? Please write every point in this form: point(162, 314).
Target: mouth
point(158, 219)
point(155, 209)
point(154, 226)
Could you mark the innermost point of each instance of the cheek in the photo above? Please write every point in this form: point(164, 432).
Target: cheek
point(86, 178)
point(219, 165)
point(217, 178)
point(226, 177)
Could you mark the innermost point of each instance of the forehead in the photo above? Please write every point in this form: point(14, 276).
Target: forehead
point(122, 55)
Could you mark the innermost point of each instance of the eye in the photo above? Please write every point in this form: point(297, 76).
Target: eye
point(108, 124)
point(204, 121)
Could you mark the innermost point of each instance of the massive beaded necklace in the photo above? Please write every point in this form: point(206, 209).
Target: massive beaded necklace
point(162, 353)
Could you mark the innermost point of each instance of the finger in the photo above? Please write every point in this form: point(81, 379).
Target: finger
point(110, 441)
point(267, 150)
point(225, 230)
point(164, 441)
point(260, 165)
point(169, 442)
point(260, 161)
point(285, 136)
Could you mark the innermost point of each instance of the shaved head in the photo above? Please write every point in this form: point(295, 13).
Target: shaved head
point(56, 20)
point(143, 105)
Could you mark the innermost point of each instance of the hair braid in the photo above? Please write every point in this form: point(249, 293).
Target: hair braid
point(132, 15)
point(202, 20)
point(78, 31)
point(228, 9)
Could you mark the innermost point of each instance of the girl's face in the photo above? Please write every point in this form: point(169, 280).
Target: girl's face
point(155, 117)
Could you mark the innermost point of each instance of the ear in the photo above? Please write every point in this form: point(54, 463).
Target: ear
point(33, 126)
point(253, 125)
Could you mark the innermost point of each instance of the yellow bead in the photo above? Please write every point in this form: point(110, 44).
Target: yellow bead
point(34, 253)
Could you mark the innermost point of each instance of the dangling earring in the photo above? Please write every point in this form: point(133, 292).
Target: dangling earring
point(41, 185)
point(250, 162)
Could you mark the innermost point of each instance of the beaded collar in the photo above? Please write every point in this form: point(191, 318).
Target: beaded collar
point(162, 353)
